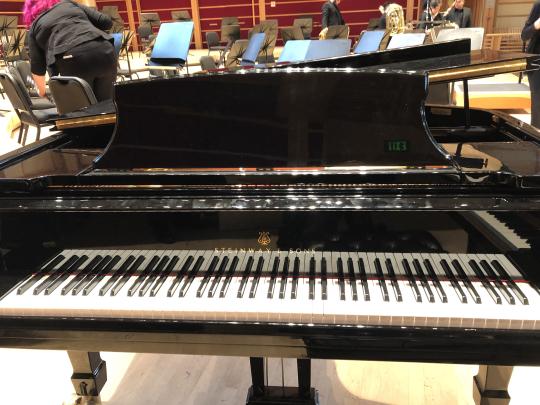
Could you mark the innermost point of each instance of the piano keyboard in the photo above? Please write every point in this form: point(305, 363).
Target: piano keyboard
point(502, 229)
point(346, 288)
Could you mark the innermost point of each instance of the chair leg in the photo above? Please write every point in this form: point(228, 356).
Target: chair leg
point(21, 130)
point(25, 134)
point(38, 132)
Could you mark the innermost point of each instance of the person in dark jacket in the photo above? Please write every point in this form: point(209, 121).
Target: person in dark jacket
point(458, 14)
point(68, 39)
point(432, 14)
point(331, 14)
point(531, 33)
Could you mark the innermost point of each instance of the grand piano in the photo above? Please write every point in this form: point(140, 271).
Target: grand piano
point(308, 212)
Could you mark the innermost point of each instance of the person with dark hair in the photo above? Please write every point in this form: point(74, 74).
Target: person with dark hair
point(331, 15)
point(458, 14)
point(531, 33)
point(382, 20)
point(431, 13)
point(67, 38)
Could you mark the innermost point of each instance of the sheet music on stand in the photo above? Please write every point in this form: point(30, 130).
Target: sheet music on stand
point(369, 41)
point(304, 50)
point(253, 49)
point(475, 34)
point(406, 40)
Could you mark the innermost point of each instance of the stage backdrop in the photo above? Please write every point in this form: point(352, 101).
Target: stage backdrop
point(207, 13)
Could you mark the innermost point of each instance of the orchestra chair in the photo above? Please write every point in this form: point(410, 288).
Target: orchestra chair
point(230, 34)
point(207, 63)
point(337, 32)
point(118, 22)
point(234, 57)
point(291, 34)
point(22, 73)
point(146, 34)
point(22, 104)
point(270, 29)
point(71, 93)
point(181, 15)
point(306, 26)
point(212, 39)
point(151, 19)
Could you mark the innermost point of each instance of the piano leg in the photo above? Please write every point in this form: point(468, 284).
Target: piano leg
point(89, 375)
point(260, 394)
point(490, 385)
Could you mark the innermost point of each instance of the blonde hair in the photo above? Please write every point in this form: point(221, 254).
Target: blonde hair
point(395, 22)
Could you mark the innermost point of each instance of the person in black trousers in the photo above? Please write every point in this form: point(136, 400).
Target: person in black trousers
point(331, 14)
point(67, 39)
point(531, 33)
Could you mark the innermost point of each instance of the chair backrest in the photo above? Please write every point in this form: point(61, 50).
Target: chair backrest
point(229, 21)
point(212, 39)
point(235, 54)
point(230, 33)
point(23, 67)
point(14, 89)
point(207, 62)
point(71, 93)
point(305, 24)
point(151, 19)
point(291, 33)
point(144, 31)
point(180, 15)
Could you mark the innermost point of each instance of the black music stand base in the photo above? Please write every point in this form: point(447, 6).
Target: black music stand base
point(282, 396)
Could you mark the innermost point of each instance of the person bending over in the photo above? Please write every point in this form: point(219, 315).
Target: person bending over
point(66, 38)
point(531, 33)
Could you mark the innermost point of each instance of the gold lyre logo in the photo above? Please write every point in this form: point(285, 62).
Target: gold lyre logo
point(264, 238)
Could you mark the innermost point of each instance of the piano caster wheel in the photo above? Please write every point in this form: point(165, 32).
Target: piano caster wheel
point(86, 400)
point(282, 396)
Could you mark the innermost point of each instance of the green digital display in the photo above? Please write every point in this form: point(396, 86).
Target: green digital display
point(396, 146)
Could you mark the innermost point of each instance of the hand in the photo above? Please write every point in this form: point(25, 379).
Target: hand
point(322, 34)
point(537, 24)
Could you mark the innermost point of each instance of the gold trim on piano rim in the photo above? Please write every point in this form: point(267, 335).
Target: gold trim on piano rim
point(488, 69)
point(86, 122)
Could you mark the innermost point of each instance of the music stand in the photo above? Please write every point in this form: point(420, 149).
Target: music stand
point(337, 32)
point(172, 45)
point(118, 38)
point(475, 34)
point(180, 15)
point(406, 40)
point(369, 41)
point(291, 33)
point(253, 49)
point(328, 48)
point(230, 33)
point(294, 51)
point(305, 24)
point(151, 19)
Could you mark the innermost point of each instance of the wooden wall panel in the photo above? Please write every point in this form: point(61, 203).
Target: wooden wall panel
point(13, 7)
point(510, 15)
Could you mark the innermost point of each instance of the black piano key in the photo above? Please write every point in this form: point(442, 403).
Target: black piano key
point(324, 281)
point(352, 279)
point(127, 275)
point(465, 280)
point(229, 277)
point(273, 275)
point(153, 276)
point(88, 276)
point(99, 277)
point(498, 283)
point(206, 276)
point(510, 282)
point(73, 269)
point(455, 284)
point(393, 280)
point(436, 282)
point(341, 279)
point(117, 274)
point(180, 276)
point(40, 274)
point(245, 277)
point(312, 278)
point(423, 280)
point(161, 280)
point(296, 275)
point(412, 281)
point(283, 282)
point(81, 274)
point(217, 278)
point(142, 276)
point(382, 282)
point(485, 282)
point(256, 277)
point(363, 279)
point(49, 280)
point(191, 276)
